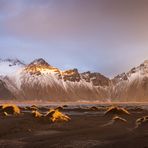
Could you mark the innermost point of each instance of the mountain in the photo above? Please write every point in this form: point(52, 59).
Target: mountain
point(8, 68)
point(41, 81)
point(133, 85)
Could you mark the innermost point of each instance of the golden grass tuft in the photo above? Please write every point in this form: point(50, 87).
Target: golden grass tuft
point(36, 114)
point(10, 109)
point(57, 116)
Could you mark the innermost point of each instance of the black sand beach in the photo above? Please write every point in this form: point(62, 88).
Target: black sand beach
point(88, 128)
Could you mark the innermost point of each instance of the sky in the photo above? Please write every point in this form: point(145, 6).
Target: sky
point(106, 36)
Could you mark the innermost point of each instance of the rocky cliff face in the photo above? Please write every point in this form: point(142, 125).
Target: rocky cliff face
point(41, 81)
point(96, 79)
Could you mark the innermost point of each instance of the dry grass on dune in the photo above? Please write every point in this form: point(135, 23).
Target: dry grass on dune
point(56, 116)
point(10, 109)
point(53, 115)
point(50, 128)
point(37, 114)
point(114, 110)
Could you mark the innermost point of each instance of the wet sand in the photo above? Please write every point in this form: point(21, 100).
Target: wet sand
point(87, 129)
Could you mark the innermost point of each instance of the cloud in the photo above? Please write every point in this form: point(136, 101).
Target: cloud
point(109, 36)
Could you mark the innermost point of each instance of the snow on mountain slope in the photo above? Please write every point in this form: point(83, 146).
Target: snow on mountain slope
point(8, 67)
point(39, 80)
point(4, 92)
point(132, 86)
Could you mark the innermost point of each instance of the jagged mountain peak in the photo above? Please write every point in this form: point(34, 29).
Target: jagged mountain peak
point(120, 77)
point(40, 66)
point(95, 78)
point(144, 64)
point(71, 75)
point(70, 71)
point(39, 80)
point(39, 61)
point(141, 69)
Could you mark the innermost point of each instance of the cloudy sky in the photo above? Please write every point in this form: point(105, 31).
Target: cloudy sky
point(108, 36)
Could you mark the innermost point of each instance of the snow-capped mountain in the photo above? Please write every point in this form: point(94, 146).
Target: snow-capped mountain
point(133, 85)
point(41, 81)
point(8, 68)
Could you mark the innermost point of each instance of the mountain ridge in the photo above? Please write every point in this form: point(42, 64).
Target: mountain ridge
point(40, 80)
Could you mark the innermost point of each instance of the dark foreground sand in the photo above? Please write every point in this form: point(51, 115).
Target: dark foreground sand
point(85, 130)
